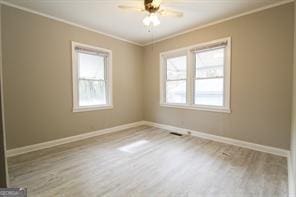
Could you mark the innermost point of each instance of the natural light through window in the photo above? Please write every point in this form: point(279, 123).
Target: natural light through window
point(197, 77)
point(91, 77)
point(92, 84)
point(176, 80)
point(133, 147)
point(209, 82)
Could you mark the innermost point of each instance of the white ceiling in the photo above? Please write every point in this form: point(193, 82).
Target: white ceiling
point(105, 16)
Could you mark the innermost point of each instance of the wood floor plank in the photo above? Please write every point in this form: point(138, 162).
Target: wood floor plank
point(148, 161)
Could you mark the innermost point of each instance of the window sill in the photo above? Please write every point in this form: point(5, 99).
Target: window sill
point(199, 108)
point(92, 108)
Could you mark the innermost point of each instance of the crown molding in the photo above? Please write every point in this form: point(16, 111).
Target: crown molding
point(68, 22)
point(219, 21)
point(155, 41)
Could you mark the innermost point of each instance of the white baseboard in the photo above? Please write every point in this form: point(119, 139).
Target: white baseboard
point(244, 144)
point(291, 177)
point(52, 143)
point(48, 144)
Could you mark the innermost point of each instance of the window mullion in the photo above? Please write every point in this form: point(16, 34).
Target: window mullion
point(193, 76)
point(189, 84)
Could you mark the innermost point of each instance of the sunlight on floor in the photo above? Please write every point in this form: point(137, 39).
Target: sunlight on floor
point(133, 147)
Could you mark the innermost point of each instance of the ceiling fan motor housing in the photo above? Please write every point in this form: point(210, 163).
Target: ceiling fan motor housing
point(150, 7)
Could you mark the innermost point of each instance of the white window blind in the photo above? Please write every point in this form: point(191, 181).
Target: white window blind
point(209, 76)
point(91, 77)
point(176, 78)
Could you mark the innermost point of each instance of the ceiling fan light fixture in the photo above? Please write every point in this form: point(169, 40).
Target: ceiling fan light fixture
point(156, 3)
point(151, 20)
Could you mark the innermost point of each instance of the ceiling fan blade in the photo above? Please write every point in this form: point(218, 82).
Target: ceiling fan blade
point(167, 12)
point(132, 8)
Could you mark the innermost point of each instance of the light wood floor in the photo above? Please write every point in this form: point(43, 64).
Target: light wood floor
point(147, 161)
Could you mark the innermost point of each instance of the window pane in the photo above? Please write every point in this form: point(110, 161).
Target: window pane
point(209, 92)
point(176, 68)
point(210, 58)
point(176, 91)
point(214, 71)
point(91, 66)
point(92, 92)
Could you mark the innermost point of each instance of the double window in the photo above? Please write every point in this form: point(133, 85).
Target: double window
point(92, 88)
point(197, 77)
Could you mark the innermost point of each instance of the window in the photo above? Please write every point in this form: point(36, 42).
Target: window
point(209, 80)
point(92, 78)
point(197, 77)
point(176, 79)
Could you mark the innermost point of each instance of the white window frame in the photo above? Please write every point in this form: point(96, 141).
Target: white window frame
point(163, 62)
point(190, 90)
point(75, 79)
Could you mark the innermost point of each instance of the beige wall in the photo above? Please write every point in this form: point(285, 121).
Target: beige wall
point(293, 127)
point(38, 89)
point(261, 79)
point(38, 86)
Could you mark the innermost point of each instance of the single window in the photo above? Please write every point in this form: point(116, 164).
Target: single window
point(176, 78)
point(198, 77)
point(92, 88)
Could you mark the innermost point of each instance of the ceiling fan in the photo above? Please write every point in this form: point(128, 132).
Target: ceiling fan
point(152, 7)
